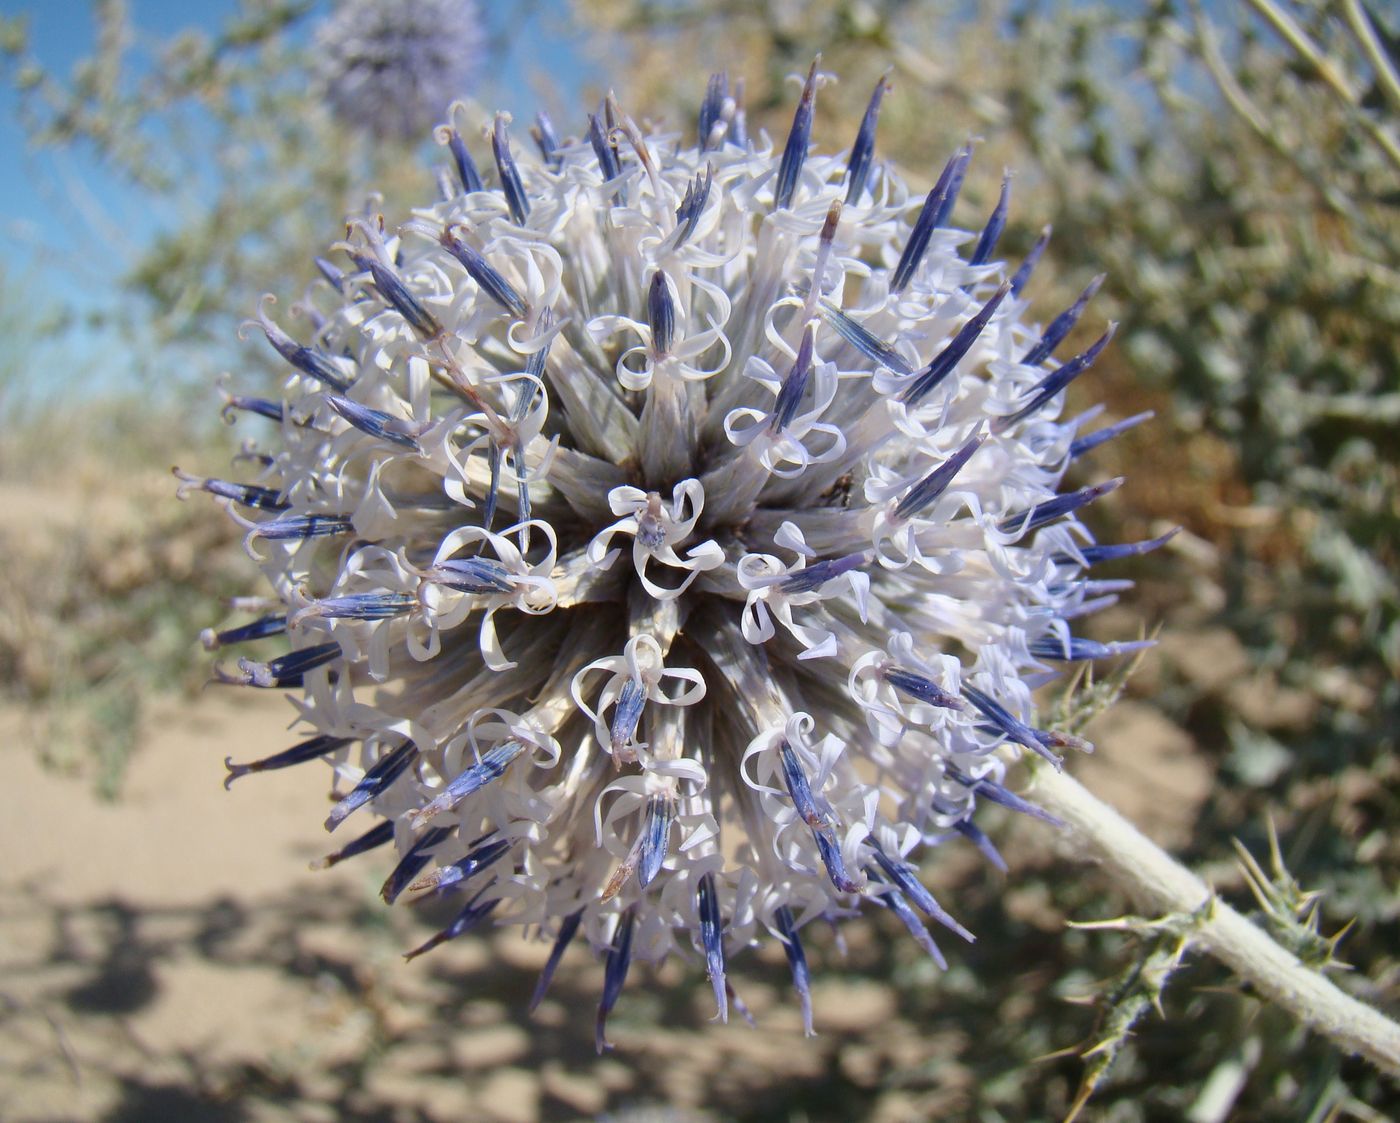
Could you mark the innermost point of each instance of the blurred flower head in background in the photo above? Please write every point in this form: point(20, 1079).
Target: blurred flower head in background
point(668, 533)
point(389, 66)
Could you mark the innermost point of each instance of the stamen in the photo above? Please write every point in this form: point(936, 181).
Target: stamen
point(397, 294)
point(661, 315)
point(927, 490)
point(631, 700)
point(819, 573)
point(374, 837)
point(1057, 381)
point(858, 167)
point(258, 629)
point(656, 836)
point(388, 768)
point(357, 606)
point(894, 900)
point(567, 928)
point(603, 148)
point(1008, 724)
point(547, 140)
point(287, 528)
point(418, 856)
point(797, 964)
point(712, 109)
point(480, 576)
point(483, 273)
point(313, 749)
point(249, 495)
point(309, 360)
point(816, 813)
point(614, 975)
point(1023, 274)
point(799, 139)
point(471, 915)
point(1076, 650)
point(937, 205)
point(1081, 445)
point(991, 233)
point(978, 837)
point(952, 354)
point(263, 407)
point(492, 766)
point(921, 689)
point(1002, 797)
point(1033, 518)
point(511, 185)
point(712, 939)
point(1093, 555)
point(376, 423)
point(1062, 324)
point(697, 194)
point(332, 273)
point(868, 344)
point(463, 870)
point(466, 167)
point(902, 874)
point(284, 672)
point(794, 385)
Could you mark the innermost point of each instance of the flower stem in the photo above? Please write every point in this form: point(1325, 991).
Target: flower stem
point(1157, 881)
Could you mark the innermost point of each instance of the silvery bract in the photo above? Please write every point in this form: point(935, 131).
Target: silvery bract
point(387, 67)
point(667, 535)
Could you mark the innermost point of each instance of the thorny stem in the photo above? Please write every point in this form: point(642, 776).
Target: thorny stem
point(1159, 883)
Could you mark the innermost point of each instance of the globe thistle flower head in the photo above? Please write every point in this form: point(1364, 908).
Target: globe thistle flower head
point(667, 534)
point(387, 67)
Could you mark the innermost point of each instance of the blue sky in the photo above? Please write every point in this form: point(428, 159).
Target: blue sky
point(66, 218)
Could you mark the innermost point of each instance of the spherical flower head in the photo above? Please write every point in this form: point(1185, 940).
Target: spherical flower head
point(668, 533)
point(387, 67)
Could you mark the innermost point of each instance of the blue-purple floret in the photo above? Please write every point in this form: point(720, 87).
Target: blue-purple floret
point(712, 940)
point(1062, 325)
point(1022, 275)
point(1008, 724)
point(263, 407)
point(1093, 555)
point(485, 851)
point(631, 700)
point(1033, 518)
point(1075, 649)
point(487, 276)
point(378, 835)
point(483, 576)
point(398, 295)
point(989, 789)
point(927, 490)
point(614, 975)
point(816, 813)
point(900, 873)
point(797, 964)
point(547, 140)
point(863, 150)
point(798, 141)
point(473, 913)
point(938, 204)
point(418, 856)
point(603, 148)
point(794, 384)
point(862, 339)
point(1055, 382)
point(1090, 441)
point(289, 528)
point(661, 813)
point(819, 573)
point(943, 364)
point(567, 930)
point(312, 749)
point(491, 766)
point(712, 108)
point(467, 171)
point(996, 223)
point(286, 671)
point(661, 314)
point(365, 606)
point(921, 688)
point(511, 186)
point(697, 194)
point(376, 423)
point(388, 768)
point(262, 628)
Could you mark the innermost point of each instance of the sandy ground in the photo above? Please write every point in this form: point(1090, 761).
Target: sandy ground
point(172, 957)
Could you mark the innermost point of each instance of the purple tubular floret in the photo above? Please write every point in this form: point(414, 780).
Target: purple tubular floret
point(471, 915)
point(487, 277)
point(866, 342)
point(929, 219)
point(1011, 726)
point(661, 314)
point(547, 140)
point(903, 875)
point(567, 928)
point(1032, 518)
point(614, 976)
point(927, 490)
point(456, 875)
point(285, 671)
point(922, 689)
point(991, 233)
point(603, 148)
point(375, 837)
point(1023, 275)
point(1074, 649)
point(312, 749)
point(894, 900)
point(511, 185)
point(816, 813)
point(952, 354)
point(863, 150)
point(797, 964)
point(1087, 443)
point(799, 138)
point(1056, 381)
point(1093, 555)
point(1003, 797)
point(261, 628)
point(697, 194)
point(661, 813)
point(978, 837)
point(466, 167)
point(631, 700)
point(492, 766)
point(712, 108)
point(418, 856)
point(712, 939)
point(819, 573)
point(794, 384)
point(376, 423)
point(288, 528)
point(388, 768)
point(1062, 325)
